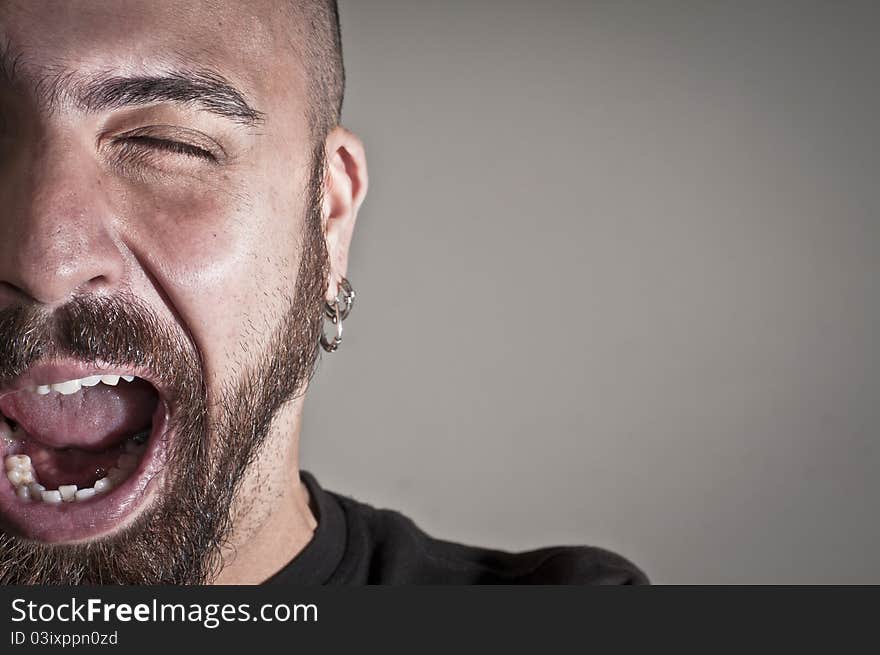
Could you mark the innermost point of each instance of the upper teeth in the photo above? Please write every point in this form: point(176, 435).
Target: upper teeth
point(69, 387)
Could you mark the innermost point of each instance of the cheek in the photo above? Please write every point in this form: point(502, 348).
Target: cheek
point(225, 261)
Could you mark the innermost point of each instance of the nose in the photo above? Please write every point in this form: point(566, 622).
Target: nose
point(55, 228)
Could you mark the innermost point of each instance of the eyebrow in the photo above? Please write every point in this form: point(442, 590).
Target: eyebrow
point(9, 60)
point(205, 89)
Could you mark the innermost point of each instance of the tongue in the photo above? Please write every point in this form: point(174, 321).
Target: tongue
point(92, 419)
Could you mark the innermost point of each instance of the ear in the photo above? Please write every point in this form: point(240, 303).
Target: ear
point(345, 186)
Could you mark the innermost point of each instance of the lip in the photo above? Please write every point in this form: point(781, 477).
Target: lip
point(102, 515)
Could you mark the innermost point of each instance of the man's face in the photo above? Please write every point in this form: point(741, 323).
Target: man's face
point(160, 210)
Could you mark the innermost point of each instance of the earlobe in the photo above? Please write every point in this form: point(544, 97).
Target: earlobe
point(345, 186)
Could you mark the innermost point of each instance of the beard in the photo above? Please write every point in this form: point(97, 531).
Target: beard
point(180, 538)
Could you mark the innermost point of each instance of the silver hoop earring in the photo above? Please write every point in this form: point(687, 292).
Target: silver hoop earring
point(338, 311)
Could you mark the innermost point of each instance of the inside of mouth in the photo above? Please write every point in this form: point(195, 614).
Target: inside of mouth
point(75, 444)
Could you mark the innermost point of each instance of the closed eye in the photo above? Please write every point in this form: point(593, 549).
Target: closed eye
point(168, 145)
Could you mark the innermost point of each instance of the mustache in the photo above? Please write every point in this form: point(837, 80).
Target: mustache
point(117, 330)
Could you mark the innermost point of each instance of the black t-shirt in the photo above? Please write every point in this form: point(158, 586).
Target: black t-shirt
point(355, 544)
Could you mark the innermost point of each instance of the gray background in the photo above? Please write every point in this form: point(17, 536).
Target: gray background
point(617, 278)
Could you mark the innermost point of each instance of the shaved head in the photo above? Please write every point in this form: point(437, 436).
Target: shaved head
point(317, 39)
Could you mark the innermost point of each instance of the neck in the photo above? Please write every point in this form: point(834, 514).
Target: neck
point(272, 518)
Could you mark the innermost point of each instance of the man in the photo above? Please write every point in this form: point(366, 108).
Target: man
point(178, 201)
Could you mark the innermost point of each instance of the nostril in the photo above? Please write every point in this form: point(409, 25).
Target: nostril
point(95, 284)
point(47, 278)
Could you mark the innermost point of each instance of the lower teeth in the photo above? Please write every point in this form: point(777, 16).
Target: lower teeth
point(21, 474)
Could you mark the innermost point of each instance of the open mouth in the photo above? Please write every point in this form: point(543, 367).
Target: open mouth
point(80, 446)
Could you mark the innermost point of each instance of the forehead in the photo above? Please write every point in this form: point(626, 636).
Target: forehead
point(246, 41)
